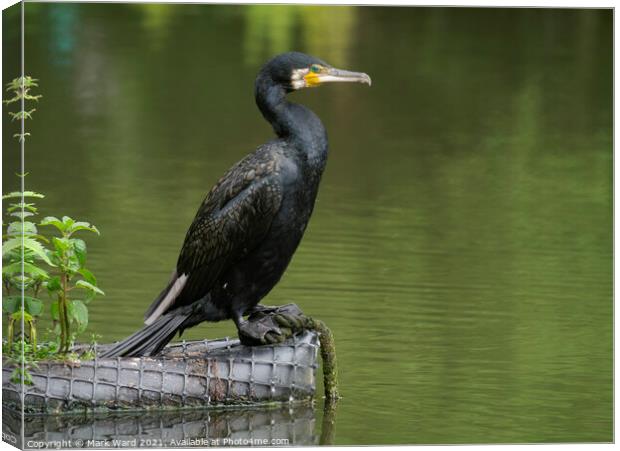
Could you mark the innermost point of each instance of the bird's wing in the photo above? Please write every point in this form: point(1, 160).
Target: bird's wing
point(232, 220)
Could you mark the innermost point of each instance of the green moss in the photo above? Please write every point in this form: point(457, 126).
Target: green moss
point(328, 355)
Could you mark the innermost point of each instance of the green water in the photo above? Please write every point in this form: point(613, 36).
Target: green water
point(461, 245)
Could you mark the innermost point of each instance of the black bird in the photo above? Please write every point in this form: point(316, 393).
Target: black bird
point(251, 222)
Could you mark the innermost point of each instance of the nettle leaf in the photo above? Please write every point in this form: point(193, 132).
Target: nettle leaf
point(30, 244)
point(12, 304)
point(11, 269)
point(53, 284)
point(84, 226)
point(20, 205)
point(34, 306)
point(35, 271)
point(79, 247)
point(21, 215)
point(37, 248)
point(88, 276)
point(11, 244)
point(51, 220)
point(18, 195)
point(18, 233)
point(67, 222)
point(29, 229)
point(61, 244)
point(35, 237)
point(15, 228)
point(79, 313)
point(24, 81)
point(88, 286)
point(73, 264)
point(53, 257)
point(14, 255)
point(29, 268)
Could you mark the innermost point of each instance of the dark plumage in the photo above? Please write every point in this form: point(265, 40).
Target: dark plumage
point(251, 222)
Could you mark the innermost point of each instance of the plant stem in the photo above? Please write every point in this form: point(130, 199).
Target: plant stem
point(62, 324)
point(33, 336)
point(11, 333)
point(65, 314)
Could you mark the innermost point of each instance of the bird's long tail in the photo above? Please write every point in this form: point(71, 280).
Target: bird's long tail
point(150, 339)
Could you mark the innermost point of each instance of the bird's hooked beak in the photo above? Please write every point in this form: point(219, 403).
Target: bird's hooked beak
point(330, 75)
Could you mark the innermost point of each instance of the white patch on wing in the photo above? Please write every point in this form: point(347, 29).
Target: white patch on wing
point(172, 294)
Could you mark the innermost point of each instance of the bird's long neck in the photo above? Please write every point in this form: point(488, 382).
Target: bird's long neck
point(292, 121)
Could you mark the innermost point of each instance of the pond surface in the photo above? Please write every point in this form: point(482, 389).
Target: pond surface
point(461, 245)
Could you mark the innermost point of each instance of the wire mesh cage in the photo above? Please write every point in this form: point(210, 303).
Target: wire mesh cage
point(188, 374)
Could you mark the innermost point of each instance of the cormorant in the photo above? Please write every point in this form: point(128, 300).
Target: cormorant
point(251, 222)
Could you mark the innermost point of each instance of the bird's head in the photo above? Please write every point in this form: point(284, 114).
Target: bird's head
point(295, 70)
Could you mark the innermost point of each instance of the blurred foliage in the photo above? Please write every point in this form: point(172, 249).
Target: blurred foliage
point(156, 19)
point(324, 31)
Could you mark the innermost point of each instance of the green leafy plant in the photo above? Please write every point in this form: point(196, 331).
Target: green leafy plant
point(23, 252)
point(23, 248)
point(19, 357)
point(20, 87)
point(90, 353)
point(24, 356)
point(32, 261)
point(69, 258)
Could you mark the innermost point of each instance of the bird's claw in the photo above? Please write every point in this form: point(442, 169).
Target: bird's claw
point(293, 322)
point(268, 325)
point(272, 338)
point(261, 331)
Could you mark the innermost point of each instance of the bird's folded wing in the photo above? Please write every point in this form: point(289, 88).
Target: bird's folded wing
point(219, 237)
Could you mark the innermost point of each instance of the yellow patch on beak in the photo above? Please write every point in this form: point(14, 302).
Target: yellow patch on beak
point(312, 79)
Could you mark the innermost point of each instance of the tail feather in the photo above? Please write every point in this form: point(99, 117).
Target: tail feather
point(166, 298)
point(149, 340)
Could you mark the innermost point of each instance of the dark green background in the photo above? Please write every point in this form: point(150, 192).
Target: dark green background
point(461, 246)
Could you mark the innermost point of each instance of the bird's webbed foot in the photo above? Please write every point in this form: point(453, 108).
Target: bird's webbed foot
point(260, 331)
point(268, 325)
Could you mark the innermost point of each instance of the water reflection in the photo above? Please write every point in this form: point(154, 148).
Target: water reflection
point(324, 31)
point(64, 22)
point(292, 425)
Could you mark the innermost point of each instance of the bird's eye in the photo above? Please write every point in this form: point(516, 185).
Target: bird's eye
point(315, 68)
